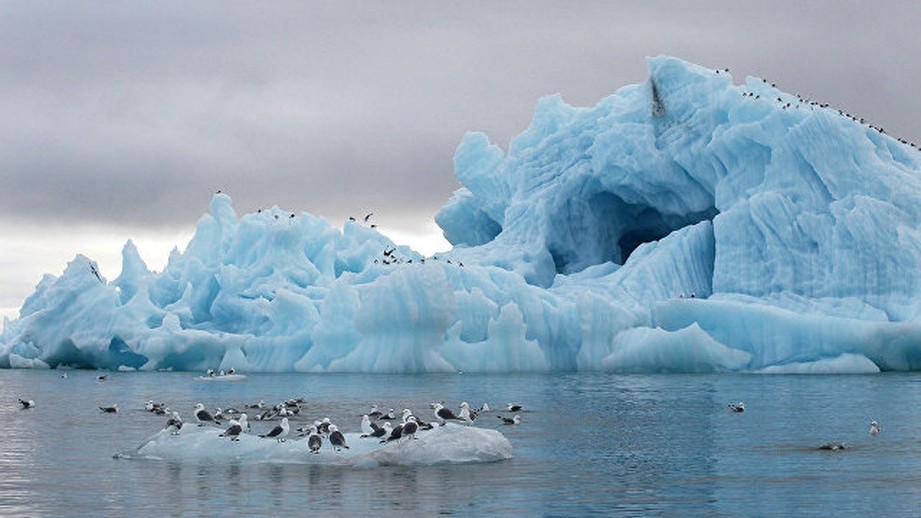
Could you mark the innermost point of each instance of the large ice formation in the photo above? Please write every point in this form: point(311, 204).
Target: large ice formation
point(683, 224)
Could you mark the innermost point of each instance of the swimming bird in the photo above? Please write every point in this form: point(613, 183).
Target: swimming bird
point(203, 416)
point(102, 377)
point(737, 407)
point(874, 428)
point(235, 428)
point(314, 441)
point(174, 424)
point(375, 413)
point(27, 403)
point(512, 407)
point(445, 414)
point(110, 409)
point(280, 432)
point(833, 446)
point(336, 438)
point(510, 420)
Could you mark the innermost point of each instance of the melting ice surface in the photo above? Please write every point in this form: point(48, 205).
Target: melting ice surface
point(450, 444)
point(685, 224)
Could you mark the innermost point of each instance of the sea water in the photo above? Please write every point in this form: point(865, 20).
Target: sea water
point(587, 444)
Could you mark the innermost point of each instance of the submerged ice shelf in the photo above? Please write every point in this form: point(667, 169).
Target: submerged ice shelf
point(684, 224)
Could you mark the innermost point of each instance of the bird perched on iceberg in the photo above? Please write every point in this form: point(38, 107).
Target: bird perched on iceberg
point(235, 429)
point(174, 424)
point(280, 432)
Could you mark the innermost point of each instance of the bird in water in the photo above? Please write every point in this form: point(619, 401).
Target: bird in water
point(510, 420)
point(27, 403)
point(874, 428)
point(737, 407)
point(110, 409)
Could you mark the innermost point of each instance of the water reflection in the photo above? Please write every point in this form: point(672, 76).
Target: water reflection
point(592, 444)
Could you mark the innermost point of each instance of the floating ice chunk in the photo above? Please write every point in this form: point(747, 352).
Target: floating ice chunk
point(449, 444)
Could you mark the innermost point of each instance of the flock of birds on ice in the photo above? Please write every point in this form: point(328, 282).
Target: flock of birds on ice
point(376, 424)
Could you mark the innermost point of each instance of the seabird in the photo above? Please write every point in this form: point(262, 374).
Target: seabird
point(218, 414)
point(466, 414)
point(174, 424)
point(64, 375)
point(368, 216)
point(410, 427)
point(210, 373)
point(510, 420)
point(110, 409)
point(874, 428)
point(484, 408)
point(336, 438)
point(389, 415)
point(511, 407)
point(377, 430)
point(203, 416)
point(833, 446)
point(737, 407)
point(280, 431)
point(102, 377)
point(324, 426)
point(314, 441)
point(366, 428)
point(235, 428)
point(445, 414)
point(395, 433)
point(27, 403)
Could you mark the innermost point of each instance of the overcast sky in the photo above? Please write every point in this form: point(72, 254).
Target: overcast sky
point(120, 119)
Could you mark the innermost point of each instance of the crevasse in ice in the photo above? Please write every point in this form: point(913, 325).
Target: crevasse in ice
point(685, 224)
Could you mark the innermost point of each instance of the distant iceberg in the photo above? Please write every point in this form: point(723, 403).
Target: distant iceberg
point(684, 224)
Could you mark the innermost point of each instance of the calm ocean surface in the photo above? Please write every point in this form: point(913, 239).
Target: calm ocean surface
point(592, 444)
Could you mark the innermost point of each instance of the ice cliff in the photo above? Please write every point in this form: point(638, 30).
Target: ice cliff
point(683, 224)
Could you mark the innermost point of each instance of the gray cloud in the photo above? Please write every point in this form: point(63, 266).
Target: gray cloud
point(133, 113)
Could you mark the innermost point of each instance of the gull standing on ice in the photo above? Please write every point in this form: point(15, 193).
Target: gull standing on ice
point(336, 438)
point(203, 416)
point(280, 431)
point(366, 427)
point(444, 414)
point(174, 424)
point(314, 441)
point(235, 428)
point(465, 414)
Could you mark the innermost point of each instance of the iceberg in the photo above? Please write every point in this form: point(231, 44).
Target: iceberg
point(449, 444)
point(684, 224)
